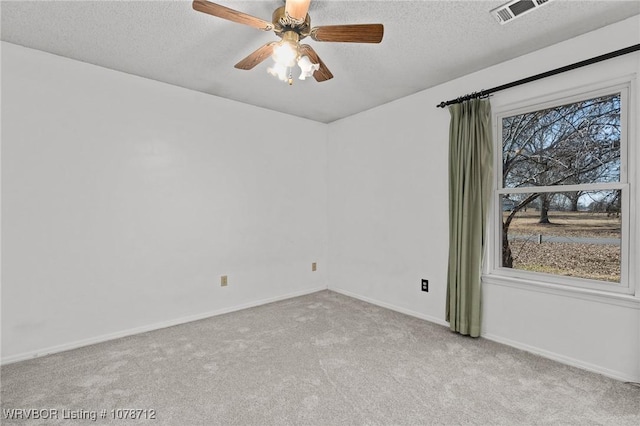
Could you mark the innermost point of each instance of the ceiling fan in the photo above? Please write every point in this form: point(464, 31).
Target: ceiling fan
point(292, 23)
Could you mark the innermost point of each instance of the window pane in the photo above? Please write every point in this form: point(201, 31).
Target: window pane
point(571, 144)
point(575, 234)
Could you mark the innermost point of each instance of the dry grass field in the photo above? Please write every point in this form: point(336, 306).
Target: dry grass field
point(578, 259)
point(569, 224)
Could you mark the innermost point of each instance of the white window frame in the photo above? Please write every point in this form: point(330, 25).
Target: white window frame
point(497, 274)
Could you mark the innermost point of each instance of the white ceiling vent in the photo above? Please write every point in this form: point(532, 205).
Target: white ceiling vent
point(508, 12)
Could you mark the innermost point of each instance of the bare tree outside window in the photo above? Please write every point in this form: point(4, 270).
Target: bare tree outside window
point(548, 229)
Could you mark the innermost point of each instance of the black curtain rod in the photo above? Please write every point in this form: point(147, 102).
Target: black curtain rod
point(486, 93)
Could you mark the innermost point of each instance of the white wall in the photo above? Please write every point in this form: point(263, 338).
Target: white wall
point(125, 199)
point(388, 208)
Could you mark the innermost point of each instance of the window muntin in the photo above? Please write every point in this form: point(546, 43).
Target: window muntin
point(561, 164)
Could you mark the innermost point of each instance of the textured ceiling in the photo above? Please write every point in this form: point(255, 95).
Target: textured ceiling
point(425, 43)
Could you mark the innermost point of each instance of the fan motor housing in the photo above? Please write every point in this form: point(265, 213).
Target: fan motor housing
point(283, 23)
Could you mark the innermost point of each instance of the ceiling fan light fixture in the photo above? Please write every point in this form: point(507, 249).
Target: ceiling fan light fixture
point(281, 72)
point(307, 67)
point(292, 23)
point(285, 55)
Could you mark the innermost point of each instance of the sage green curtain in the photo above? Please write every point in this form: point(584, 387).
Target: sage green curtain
point(470, 174)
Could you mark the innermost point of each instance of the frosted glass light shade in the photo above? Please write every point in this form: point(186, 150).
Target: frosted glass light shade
point(285, 54)
point(307, 67)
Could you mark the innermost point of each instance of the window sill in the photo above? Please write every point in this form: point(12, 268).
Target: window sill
point(624, 300)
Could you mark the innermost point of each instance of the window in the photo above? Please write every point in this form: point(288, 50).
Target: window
point(562, 195)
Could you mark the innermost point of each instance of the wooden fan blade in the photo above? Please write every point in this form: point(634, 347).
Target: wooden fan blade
point(297, 9)
point(323, 73)
point(356, 33)
point(231, 15)
point(259, 55)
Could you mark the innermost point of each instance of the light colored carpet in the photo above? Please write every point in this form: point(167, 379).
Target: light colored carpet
point(321, 359)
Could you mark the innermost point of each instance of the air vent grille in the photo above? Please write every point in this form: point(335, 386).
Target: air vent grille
point(507, 12)
point(504, 15)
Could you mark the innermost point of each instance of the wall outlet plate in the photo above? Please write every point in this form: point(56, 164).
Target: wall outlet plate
point(223, 281)
point(425, 285)
point(314, 266)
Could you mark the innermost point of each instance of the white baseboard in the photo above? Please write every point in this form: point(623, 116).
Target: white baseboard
point(618, 375)
point(392, 307)
point(156, 326)
point(544, 353)
point(143, 329)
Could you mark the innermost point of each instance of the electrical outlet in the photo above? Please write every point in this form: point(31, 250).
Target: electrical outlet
point(314, 266)
point(425, 285)
point(223, 281)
